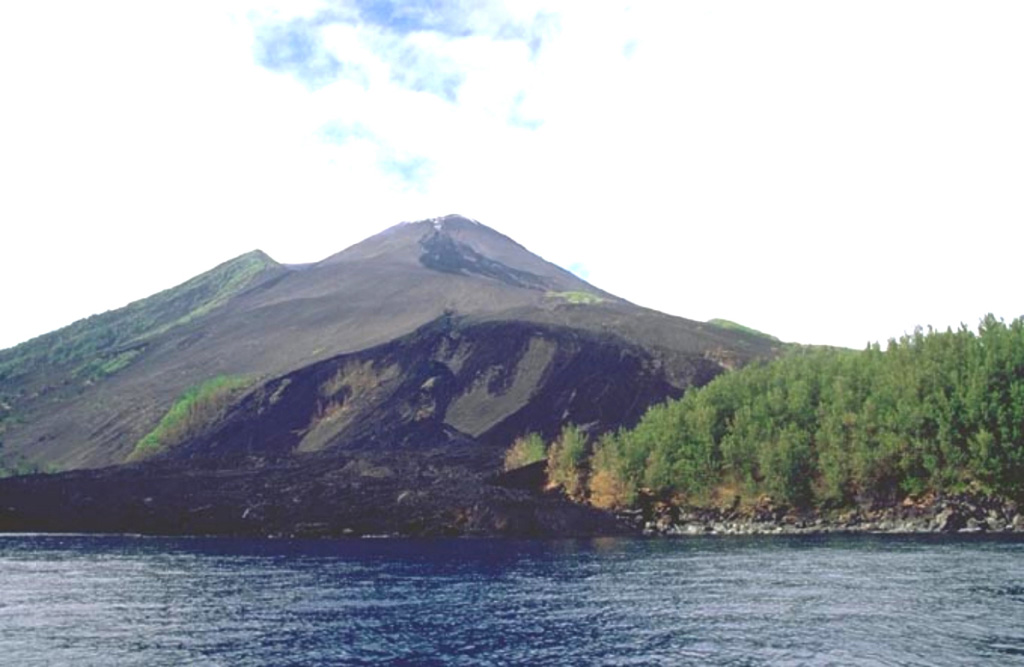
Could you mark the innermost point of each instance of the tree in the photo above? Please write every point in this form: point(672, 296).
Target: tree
point(567, 458)
point(526, 449)
point(609, 484)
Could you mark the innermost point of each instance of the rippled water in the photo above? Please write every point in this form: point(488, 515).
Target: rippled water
point(106, 600)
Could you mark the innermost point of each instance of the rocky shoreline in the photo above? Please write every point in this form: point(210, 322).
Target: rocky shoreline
point(429, 493)
point(957, 514)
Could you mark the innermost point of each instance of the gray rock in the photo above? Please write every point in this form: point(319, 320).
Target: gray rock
point(949, 521)
point(907, 526)
point(973, 526)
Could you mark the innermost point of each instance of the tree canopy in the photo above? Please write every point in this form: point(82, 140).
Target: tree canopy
point(932, 412)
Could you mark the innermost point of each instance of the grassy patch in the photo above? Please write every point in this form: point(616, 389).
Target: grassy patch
point(579, 298)
point(101, 367)
point(734, 326)
point(194, 410)
point(122, 360)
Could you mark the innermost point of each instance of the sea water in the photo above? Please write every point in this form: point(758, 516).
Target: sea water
point(858, 600)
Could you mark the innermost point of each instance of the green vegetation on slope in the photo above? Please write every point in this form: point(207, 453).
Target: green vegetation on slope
point(194, 410)
point(104, 344)
point(734, 326)
point(933, 412)
point(578, 298)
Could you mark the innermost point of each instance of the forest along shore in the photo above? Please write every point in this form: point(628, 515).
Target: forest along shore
point(965, 513)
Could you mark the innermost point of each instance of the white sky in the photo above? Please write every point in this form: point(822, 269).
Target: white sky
point(828, 172)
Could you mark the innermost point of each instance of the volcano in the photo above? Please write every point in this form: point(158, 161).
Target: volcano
point(372, 392)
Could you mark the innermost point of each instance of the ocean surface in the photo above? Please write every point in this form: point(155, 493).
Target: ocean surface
point(860, 600)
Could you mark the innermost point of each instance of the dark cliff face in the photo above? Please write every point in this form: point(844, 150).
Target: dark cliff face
point(399, 368)
point(451, 382)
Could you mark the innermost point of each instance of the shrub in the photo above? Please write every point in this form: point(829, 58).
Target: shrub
point(525, 450)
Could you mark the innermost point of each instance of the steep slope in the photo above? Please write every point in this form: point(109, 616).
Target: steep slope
point(90, 348)
point(257, 319)
point(46, 375)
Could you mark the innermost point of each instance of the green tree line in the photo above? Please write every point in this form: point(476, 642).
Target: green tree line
point(932, 412)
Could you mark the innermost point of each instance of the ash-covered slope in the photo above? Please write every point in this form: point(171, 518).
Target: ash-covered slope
point(430, 337)
point(83, 395)
point(453, 381)
point(88, 404)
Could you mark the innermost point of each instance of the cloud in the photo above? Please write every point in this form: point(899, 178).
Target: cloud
point(413, 41)
point(438, 87)
point(409, 16)
point(413, 171)
point(296, 47)
point(541, 28)
point(518, 118)
point(462, 19)
point(340, 133)
point(423, 71)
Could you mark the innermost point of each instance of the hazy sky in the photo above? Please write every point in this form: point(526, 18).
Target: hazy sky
point(829, 172)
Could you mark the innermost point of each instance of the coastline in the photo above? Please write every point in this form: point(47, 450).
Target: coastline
point(325, 497)
point(955, 514)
